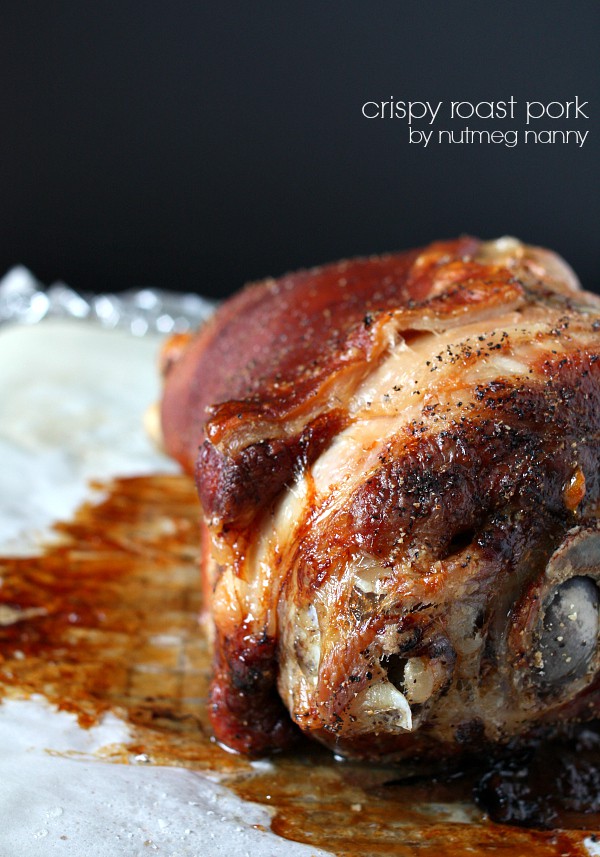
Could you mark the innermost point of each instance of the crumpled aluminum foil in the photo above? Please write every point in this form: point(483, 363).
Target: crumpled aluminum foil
point(24, 300)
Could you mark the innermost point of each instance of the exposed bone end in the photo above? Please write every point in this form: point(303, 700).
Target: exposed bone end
point(569, 635)
point(556, 633)
point(382, 707)
point(419, 680)
point(422, 677)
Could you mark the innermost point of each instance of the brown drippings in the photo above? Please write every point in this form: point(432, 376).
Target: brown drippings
point(107, 618)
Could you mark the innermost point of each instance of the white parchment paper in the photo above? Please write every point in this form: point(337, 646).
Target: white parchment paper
point(72, 399)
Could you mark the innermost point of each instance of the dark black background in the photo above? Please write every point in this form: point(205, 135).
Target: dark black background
point(196, 146)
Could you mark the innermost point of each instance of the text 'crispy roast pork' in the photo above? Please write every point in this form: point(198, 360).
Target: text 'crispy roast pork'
point(398, 463)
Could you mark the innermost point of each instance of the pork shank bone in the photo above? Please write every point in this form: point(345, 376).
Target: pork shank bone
point(397, 459)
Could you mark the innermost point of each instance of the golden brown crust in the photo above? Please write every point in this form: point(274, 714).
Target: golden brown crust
point(321, 477)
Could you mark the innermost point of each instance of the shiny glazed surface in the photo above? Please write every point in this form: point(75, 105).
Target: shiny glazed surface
point(398, 461)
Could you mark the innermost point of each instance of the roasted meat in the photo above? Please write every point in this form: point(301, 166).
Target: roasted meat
point(398, 460)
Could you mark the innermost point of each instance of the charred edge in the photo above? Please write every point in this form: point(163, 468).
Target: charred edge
point(246, 712)
point(234, 489)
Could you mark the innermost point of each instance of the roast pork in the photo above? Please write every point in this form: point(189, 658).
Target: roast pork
point(397, 459)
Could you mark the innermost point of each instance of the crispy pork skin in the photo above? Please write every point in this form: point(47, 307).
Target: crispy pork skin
point(398, 463)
